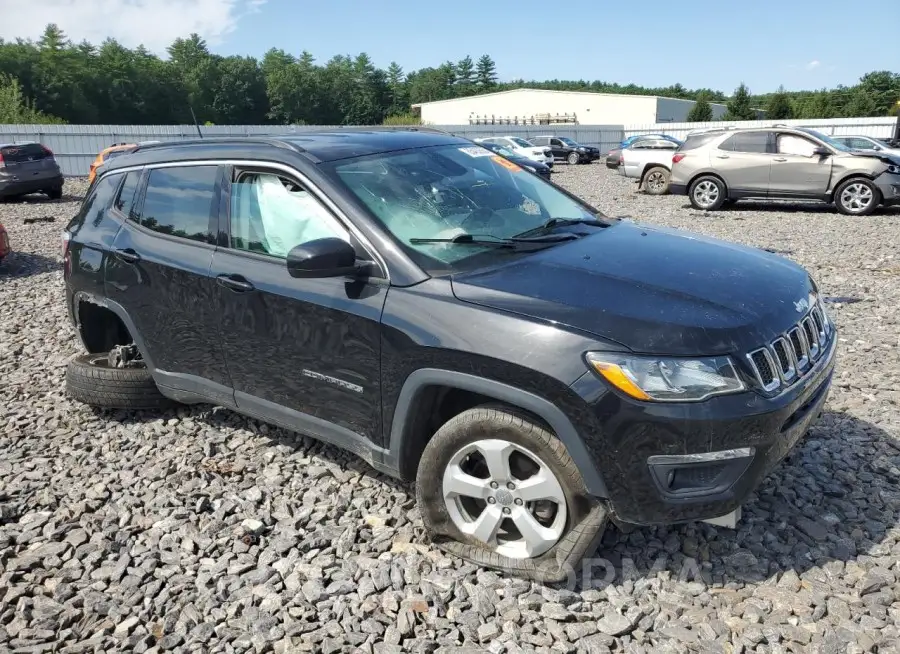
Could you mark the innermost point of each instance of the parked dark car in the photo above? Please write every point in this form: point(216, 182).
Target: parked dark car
point(537, 368)
point(565, 149)
point(614, 158)
point(528, 164)
point(29, 168)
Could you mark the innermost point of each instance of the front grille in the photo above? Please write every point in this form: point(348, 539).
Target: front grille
point(790, 356)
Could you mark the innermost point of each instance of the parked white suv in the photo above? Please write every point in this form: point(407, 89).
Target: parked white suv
point(649, 160)
point(521, 147)
point(866, 143)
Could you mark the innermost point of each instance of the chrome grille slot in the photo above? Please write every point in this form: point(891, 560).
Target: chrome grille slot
point(798, 344)
point(812, 337)
point(790, 356)
point(764, 366)
point(785, 359)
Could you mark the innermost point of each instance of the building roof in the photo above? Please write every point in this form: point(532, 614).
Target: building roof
point(531, 90)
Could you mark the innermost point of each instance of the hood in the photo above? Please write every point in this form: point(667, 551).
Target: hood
point(653, 290)
point(886, 157)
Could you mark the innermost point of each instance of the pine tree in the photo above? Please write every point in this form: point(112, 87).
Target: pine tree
point(739, 107)
point(465, 75)
point(486, 72)
point(702, 111)
point(779, 106)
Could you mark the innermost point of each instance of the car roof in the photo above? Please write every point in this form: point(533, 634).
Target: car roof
point(7, 145)
point(321, 146)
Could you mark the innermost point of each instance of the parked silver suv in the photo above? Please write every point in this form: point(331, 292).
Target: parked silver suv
point(720, 166)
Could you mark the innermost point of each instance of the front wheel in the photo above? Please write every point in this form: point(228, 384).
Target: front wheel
point(573, 158)
point(708, 193)
point(499, 490)
point(857, 197)
point(656, 181)
point(55, 193)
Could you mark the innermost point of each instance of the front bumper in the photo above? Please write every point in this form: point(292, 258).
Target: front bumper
point(889, 186)
point(644, 450)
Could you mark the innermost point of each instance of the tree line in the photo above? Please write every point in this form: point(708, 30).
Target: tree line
point(55, 80)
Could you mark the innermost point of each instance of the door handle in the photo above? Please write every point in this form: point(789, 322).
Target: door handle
point(127, 255)
point(235, 283)
point(721, 156)
point(779, 159)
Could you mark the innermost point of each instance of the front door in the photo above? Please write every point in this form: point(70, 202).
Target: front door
point(159, 272)
point(558, 149)
point(304, 352)
point(797, 170)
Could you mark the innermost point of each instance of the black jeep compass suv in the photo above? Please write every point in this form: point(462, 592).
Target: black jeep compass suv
point(536, 368)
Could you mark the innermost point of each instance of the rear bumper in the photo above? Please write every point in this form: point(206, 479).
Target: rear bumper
point(678, 462)
point(677, 189)
point(20, 186)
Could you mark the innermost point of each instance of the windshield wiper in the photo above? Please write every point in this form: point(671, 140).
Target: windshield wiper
point(557, 222)
point(514, 242)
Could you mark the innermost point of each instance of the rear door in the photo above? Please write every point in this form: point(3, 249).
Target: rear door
point(159, 272)
point(30, 162)
point(743, 160)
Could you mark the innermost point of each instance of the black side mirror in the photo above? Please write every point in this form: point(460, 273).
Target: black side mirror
point(821, 151)
point(324, 257)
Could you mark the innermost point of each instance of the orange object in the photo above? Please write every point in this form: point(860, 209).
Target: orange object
point(119, 148)
point(506, 163)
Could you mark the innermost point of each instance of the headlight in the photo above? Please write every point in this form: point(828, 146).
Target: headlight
point(893, 169)
point(581, 149)
point(530, 168)
point(666, 379)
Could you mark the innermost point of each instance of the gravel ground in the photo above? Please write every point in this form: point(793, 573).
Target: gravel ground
point(201, 530)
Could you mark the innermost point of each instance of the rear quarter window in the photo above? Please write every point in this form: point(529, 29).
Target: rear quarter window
point(697, 141)
point(96, 203)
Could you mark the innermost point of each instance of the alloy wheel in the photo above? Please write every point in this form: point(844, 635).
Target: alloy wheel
point(857, 197)
point(656, 181)
point(506, 497)
point(706, 193)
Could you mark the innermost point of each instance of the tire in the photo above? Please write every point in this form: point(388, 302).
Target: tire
point(55, 193)
point(573, 158)
point(708, 193)
point(656, 181)
point(90, 380)
point(857, 196)
point(510, 435)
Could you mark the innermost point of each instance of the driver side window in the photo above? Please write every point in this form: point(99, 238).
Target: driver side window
point(271, 214)
point(796, 145)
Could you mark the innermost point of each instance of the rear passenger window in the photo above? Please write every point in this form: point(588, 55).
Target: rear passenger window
point(125, 199)
point(757, 142)
point(180, 201)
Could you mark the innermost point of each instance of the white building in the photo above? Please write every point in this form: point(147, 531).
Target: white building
point(588, 108)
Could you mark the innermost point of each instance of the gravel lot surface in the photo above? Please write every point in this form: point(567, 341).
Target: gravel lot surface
point(201, 530)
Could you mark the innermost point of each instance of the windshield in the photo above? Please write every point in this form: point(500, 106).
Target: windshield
point(451, 190)
point(522, 143)
point(837, 145)
point(568, 141)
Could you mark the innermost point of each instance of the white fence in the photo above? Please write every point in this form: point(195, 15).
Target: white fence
point(879, 127)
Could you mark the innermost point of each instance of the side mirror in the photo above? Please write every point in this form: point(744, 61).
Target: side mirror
point(324, 257)
point(821, 152)
point(877, 148)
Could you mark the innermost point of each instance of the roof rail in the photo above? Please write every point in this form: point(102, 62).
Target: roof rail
point(268, 139)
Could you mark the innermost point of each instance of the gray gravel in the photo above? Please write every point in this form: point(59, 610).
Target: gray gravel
point(201, 530)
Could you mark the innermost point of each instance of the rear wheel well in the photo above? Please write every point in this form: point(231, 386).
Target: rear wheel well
point(100, 328)
point(435, 406)
point(650, 166)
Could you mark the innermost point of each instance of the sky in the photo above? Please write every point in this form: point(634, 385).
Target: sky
point(698, 43)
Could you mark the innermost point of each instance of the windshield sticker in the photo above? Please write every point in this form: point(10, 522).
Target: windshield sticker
point(476, 151)
point(506, 163)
